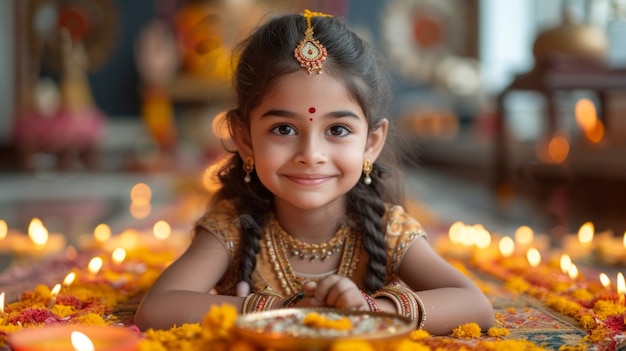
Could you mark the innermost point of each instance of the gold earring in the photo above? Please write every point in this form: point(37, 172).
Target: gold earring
point(367, 169)
point(248, 167)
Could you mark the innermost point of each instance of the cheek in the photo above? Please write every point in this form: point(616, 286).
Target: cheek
point(269, 157)
point(350, 162)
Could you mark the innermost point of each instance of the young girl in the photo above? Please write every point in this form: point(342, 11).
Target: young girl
point(304, 217)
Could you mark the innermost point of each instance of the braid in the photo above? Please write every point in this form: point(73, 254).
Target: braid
point(366, 201)
point(251, 202)
point(250, 237)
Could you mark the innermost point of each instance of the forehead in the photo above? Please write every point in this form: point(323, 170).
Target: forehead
point(300, 90)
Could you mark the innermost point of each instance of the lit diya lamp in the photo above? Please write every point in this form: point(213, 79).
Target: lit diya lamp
point(39, 242)
point(74, 338)
point(464, 241)
point(581, 245)
point(612, 249)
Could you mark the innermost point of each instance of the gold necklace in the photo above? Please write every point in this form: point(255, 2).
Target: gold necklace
point(275, 238)
point(311, 252)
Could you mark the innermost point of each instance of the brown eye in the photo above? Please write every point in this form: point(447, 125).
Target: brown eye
point(338, 130)
point(284, 129)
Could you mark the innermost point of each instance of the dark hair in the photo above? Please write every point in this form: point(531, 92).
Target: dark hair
point(268, 54)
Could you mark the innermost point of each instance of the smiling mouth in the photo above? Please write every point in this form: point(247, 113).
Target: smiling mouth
point(308, 180)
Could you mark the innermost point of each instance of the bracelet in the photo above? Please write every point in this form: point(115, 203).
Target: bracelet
point(260, 301)
point(370, 302)
point(422, 310)
point(293, 299)
point(408, 303)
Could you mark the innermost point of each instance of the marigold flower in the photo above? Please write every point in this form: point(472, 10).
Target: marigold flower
point(582, 295)
point(419, 334)
point(587, 321)
point(606, 308)
point(408, 345)
point(223, 316)
point(517, 284)
point(497, 332)
point(150, 345)
point(466, 331)
point(317, 320)
point(90, 319)
point(563, 305)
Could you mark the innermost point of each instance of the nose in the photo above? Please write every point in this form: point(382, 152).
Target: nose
point(312, 150)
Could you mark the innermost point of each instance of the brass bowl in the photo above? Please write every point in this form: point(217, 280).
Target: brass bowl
point(284, 330)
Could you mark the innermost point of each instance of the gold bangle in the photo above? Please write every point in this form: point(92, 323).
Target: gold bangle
point(422, 310)
point(408, 303)
point(403, 298)
point(260, 301)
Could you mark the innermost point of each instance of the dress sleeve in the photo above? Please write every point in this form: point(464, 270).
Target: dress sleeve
point(221, 221)
point(401, 230)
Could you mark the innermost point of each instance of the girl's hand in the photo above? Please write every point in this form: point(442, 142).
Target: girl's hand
point(336, 291)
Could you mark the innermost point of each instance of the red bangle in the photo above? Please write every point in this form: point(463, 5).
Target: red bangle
point(371, 303)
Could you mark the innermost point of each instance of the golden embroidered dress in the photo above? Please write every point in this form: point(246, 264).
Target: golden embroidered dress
point(276, 246)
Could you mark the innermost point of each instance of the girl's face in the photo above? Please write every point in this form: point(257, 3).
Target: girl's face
point(309, 139)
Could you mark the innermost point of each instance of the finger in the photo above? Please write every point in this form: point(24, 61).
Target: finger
point(344, 294)
point(324, 286)
point(308, 288)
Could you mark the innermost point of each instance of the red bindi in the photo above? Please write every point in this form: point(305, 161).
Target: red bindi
point(311, 109)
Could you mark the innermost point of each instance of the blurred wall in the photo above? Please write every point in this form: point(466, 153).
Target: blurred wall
point(115, 85)
point(6, 69)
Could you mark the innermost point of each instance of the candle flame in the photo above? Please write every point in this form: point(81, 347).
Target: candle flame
point(102, 232)
point(585, 233)
point(507, 246)
point(118, 255)
point(37, 232)
point(81, 342)
point(624, 240)
point(533, 256)
point(572, 271)
point(566, 262)
point(69, 279)
point(4, 229)
point(483, 239)
point(2, 302)
point(55, 291)
point(456, 232)
point(94, 265)
point(129, 239)
point(469, 236)
point(524, 235)
point(621, 285)
point(162, 230)
point(605, 280)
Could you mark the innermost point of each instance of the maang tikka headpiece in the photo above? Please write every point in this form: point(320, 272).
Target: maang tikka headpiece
point(310, 52)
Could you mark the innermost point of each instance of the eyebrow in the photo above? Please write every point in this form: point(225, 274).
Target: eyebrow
point(290, 114)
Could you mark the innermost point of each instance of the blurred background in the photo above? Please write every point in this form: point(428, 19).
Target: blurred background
point(513, 112)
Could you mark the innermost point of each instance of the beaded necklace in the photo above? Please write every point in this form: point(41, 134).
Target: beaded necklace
point(280, 247)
